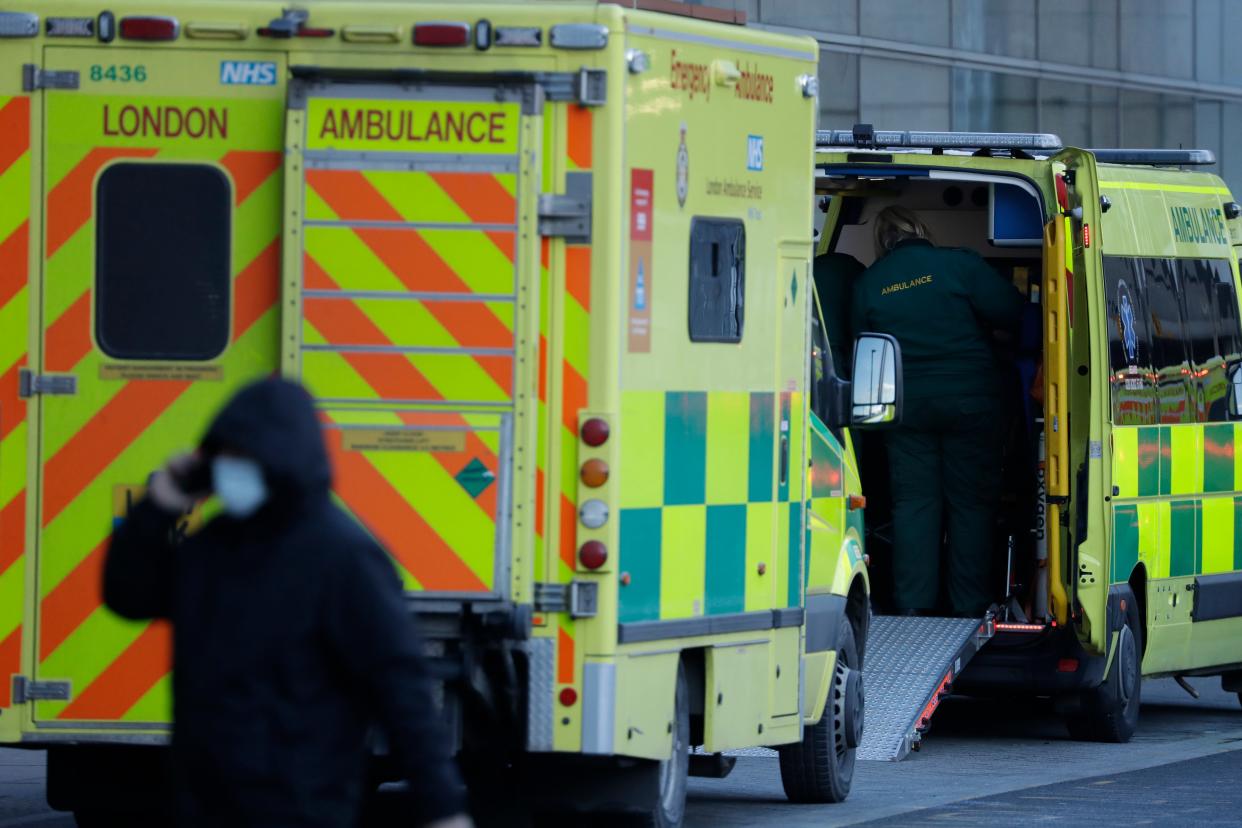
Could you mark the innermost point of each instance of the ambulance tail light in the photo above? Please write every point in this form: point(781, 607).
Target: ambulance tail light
point(441, 34)
point(1062, 193)
point(594, 473)
point(593, 554)
point(149, 28)
point(595, 432)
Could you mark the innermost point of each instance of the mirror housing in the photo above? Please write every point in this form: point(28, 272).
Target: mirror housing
point(876, 383)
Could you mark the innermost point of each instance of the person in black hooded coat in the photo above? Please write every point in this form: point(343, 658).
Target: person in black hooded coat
point(290, 636)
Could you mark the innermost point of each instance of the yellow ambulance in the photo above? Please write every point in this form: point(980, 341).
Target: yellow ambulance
point(1119, 548)
point(545, 268)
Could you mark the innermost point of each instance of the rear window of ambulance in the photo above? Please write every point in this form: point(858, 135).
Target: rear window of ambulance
point(162, 261)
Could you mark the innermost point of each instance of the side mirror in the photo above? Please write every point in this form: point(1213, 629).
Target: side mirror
point(1235, 391)
point(876, 393)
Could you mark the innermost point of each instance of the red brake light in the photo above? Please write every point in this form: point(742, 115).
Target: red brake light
point(595, 432)
point(1086, 235)
point(149, 28)
point(569, 697)
point(441, 34)
point(1062, 192)
point(1067, 665)
point(593, 554)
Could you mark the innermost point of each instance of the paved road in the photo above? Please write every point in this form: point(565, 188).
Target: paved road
point(984, 762)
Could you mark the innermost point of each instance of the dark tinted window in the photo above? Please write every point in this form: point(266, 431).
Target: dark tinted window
point(162, 261)
point(1129, 342)
point(1173, 333)
point(717, 279)
point(1215, 338)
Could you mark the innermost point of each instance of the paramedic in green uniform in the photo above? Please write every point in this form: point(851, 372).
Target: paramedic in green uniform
point(835, 274)
point(945, 459)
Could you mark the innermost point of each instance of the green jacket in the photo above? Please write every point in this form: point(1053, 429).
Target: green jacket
point(941, 304)
point(835, 274)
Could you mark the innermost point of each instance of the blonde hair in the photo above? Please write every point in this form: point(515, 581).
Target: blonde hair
point(896, 224)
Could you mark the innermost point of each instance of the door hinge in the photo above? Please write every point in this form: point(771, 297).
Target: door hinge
point(578, 598)
point(568, 215)
point(35, 78)
point(51, 385)
point(26, 690)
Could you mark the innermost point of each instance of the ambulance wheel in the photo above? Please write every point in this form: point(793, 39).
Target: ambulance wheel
point(1110, 712)
point(669, 806)
point(820, 768)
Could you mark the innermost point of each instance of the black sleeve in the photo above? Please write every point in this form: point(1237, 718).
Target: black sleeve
point(374, 636)
point(995, 300)
point(140, 567)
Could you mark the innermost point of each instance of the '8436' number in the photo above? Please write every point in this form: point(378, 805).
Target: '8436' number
point(120, 73)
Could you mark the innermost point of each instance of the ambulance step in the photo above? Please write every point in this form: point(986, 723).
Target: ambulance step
point(911, 664)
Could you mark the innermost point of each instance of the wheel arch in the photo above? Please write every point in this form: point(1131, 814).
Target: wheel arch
point(1138, 588)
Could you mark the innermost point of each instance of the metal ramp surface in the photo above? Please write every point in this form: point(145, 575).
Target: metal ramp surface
point(910, 665)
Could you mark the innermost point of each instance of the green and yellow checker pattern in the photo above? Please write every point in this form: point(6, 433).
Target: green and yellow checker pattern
point(1178, 500)
point(703, 503)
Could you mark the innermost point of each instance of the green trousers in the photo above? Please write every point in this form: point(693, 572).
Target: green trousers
point(945, 467)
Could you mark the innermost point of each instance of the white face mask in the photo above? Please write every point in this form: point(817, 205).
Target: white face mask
point(239, 484)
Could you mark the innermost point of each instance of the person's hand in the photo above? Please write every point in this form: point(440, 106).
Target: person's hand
point(459, 821)
point(164, 490)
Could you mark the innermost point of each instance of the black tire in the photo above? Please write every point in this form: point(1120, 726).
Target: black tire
point(1110, 712)
point(820, 768)
point(667, 807)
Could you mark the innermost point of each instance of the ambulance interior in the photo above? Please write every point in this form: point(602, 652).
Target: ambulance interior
point(1001, 219)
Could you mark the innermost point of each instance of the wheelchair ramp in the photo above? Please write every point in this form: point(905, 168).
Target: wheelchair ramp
point(910, 666)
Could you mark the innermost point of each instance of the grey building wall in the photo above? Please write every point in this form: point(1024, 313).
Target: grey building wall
point(1130, 73)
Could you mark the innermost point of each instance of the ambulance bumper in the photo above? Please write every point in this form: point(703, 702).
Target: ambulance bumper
point(1048, 663)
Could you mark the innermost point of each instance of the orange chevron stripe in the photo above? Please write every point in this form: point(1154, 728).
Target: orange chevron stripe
point(12, 406)
point(564, 657)
point(484, 200)
point(15, 254)
point(573, 396)
point(256, 290)
point(69, 203)
point(351, 196)
point(479, 195)
point(68, 339)
point(121, 421)
point(14, 137)
point(71, 601)
point(410, 540)
point(10, 663)
point(127, 678)
point(12, 531)
point(391, 375)
point(579, 138)
point(468, 338)
point(578, 274)
point(249, 169)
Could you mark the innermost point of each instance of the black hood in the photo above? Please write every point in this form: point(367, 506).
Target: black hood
point(274, 422)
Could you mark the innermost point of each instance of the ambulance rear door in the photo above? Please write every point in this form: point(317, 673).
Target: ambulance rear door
point(412, 316)
point(159, 279)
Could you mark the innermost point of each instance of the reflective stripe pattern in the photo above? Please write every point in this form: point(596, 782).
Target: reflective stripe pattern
point(14, 316)
point(1178, 504)
point(706, 475)
point(101, 443)
point(408, 339)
